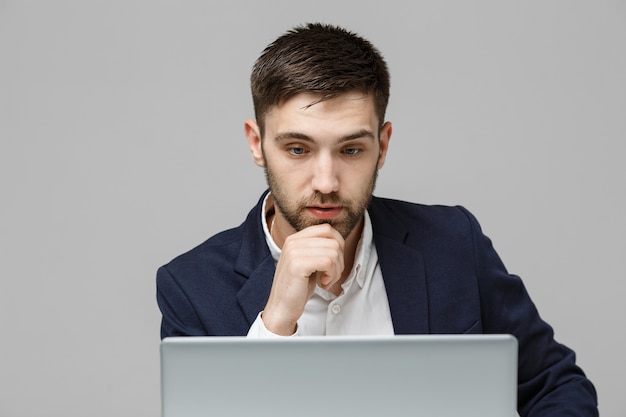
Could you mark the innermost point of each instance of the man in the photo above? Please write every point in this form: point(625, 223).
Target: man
point(320, 255)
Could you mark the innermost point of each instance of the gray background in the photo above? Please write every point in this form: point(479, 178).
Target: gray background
point(121, 126)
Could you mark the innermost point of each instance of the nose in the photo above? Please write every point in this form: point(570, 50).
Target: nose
point(325, 175)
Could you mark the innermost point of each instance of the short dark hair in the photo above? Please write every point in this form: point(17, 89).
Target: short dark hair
point(319, 59)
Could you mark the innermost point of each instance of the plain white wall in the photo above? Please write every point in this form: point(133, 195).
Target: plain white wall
point(121, 126)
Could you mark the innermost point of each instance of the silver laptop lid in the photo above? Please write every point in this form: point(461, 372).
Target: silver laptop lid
point(426, 375)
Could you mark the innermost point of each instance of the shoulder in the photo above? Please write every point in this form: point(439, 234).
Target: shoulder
point(417, 210)
point(390, 213)
point(222, 250)
point(215, 252)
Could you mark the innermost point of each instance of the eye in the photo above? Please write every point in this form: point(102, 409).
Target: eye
point(351, 151)
point(296, 151)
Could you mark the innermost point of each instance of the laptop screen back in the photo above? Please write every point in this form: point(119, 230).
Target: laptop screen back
point(428, 375)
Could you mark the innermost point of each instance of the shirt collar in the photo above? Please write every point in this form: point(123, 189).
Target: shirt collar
point(363, 252)
point(274, 249)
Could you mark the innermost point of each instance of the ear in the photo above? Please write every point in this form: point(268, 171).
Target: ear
point(385, 137)
point(253, 135)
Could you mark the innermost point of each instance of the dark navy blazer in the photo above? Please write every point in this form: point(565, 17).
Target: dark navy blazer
point(441, 274)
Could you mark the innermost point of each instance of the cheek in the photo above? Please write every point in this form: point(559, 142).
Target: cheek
point(364, 182)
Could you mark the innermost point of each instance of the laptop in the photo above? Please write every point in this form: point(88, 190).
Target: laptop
point(326, 376)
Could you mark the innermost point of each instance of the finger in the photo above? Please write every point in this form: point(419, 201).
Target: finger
point(320, 231)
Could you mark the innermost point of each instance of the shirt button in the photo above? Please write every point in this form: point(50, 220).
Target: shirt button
point(336, 308)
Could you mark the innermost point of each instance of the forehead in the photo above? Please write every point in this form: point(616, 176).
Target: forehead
point(348, 110)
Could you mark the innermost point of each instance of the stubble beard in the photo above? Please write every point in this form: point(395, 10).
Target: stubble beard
point(294, 213)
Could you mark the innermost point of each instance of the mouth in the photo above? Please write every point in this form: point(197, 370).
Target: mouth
point(325, 212)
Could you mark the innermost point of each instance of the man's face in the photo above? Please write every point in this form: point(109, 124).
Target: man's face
point(321, 158)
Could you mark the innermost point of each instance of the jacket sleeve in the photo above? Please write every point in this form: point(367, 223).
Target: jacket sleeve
point(179, 317)
point(549, 381)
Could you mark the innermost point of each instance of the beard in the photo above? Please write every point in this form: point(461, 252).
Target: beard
point(295, 211)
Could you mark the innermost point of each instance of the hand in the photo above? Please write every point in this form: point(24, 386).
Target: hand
point(313, 256)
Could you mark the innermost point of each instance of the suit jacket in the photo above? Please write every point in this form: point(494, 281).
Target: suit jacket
point(441, 274)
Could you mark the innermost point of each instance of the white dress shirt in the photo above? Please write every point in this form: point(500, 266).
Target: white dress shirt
point(362, 307)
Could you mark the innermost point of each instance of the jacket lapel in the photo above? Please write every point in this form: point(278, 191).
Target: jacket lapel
point(405, 283)
point(255, 263)
point(403, 272)
point(253, 296)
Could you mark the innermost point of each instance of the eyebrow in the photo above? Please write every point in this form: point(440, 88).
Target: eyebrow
point(364, 133)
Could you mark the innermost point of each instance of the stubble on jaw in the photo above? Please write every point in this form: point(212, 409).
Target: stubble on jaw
point(352, 211)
